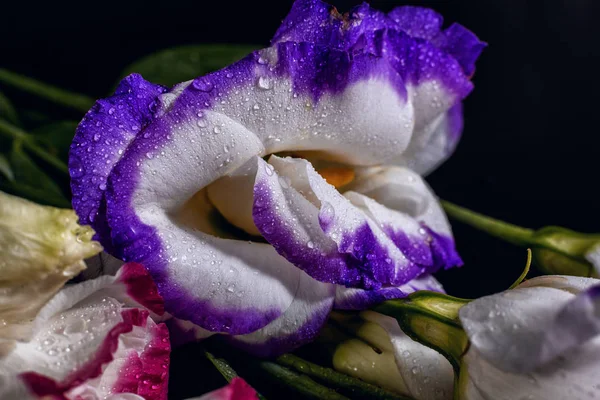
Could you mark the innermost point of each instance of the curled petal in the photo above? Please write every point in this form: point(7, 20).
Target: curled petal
point(406, 196)
point(434, 143)
point(320, 231)
point(531, 325)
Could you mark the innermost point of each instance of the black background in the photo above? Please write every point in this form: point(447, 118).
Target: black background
point(529, 154)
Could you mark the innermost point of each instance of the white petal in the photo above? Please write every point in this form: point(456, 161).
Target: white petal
point(318, 230)
point(426, 373)
point(524, 328)
point(574, 376)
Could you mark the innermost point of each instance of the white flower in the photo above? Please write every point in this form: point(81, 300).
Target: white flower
point(540, 340)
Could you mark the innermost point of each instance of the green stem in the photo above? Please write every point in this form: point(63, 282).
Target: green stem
point(336, 379)
point(503, 230)
point(59, 96)
point(300, 383)
point(29, 143)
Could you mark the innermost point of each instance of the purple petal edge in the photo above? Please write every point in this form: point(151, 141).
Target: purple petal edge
point(359, 262)
point(100, 140)
point(276, 346)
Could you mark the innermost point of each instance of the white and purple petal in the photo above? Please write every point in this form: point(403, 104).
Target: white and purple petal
point(317, 229)
point(300, 324)
point(396, 197)
point(360, 299)
point(101, 138)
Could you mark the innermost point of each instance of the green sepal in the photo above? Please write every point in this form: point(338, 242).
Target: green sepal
point(431, 319)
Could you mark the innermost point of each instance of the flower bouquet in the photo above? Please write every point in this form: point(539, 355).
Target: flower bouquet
point(263, 212)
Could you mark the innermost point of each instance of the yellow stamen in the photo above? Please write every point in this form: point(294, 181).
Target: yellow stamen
point(337, 176)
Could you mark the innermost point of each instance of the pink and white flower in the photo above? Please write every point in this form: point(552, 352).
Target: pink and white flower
point(92, 340)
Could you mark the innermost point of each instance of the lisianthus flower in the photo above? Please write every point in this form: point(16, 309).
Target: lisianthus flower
point(363, 97)
point(539, 340)
point(92, 340)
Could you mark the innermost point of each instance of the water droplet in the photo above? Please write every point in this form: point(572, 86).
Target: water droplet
point(256, 107)
point(217, 130)
point(149, 155)
point(203, 84)
point(111, 110)
point(264, 83)
point(269, 169)
point(202, 123)
point(310, 245)
point(414, 370)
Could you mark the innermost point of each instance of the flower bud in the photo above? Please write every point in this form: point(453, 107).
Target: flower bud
point(562, 251)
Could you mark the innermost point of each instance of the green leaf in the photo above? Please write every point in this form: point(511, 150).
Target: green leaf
point(57, 136)
point(10, 131)
point(179, 64)
point(40, 89)
point(222, 366)
point(29, 178)
point(7, 111)
point(5, 168)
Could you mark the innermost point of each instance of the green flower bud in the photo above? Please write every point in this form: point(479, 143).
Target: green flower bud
point(562, 251)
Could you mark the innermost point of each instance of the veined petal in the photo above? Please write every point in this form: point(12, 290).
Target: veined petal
point(88, 341)
point(300, 324)
point(360, 299)
point(426, 373)
point(528, 327)
point(318, 230)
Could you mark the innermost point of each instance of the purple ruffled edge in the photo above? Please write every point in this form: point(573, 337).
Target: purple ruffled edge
point(363, 28)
